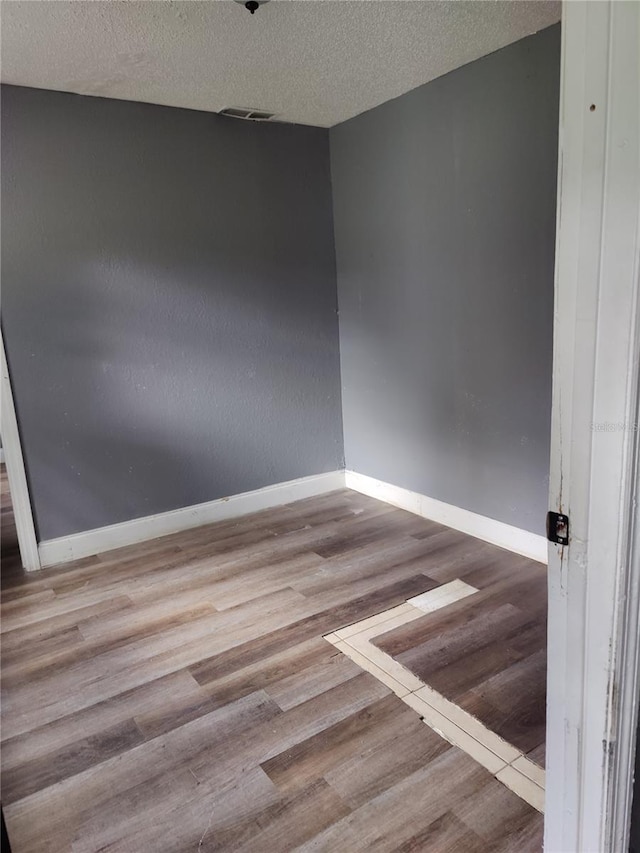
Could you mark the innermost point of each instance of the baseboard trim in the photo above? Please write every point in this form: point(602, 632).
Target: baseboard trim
point(488, 529)
point(90, 542)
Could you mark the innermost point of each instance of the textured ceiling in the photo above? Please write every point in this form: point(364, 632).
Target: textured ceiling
point(310, 61)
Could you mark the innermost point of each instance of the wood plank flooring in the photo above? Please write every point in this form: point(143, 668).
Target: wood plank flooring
point(178, 695)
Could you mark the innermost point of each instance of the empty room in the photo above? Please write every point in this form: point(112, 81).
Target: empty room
point(285, 514)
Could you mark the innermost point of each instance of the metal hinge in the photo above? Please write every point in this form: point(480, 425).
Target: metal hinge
point(558, 528)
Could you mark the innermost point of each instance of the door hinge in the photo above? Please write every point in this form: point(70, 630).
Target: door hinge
point(558, 528)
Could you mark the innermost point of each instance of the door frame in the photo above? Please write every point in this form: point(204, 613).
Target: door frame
point(16, 472)
point(594, 580)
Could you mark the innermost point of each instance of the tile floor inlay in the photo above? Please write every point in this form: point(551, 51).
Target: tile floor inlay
point(442, 595)
point(508, 764)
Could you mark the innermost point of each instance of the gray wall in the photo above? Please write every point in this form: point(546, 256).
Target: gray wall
point(169, 305)
point(444, 209)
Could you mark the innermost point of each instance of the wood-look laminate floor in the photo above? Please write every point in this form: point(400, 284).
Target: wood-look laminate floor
point(178, 695)
point(487, 653)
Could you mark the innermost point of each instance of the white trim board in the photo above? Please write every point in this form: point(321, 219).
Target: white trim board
point(16, 474)
point(96, 541)
point(90, 542)
point(488, 529)
point(593, 673)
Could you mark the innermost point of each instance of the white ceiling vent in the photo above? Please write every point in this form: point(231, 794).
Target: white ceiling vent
point(245, 112)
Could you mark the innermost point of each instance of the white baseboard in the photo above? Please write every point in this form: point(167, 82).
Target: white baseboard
point(497, 532)
point(91, 542)
point(78, 545)
point(1, 455)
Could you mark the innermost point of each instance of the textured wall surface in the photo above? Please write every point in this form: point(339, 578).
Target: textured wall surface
point(169, 305)
point(444, 209)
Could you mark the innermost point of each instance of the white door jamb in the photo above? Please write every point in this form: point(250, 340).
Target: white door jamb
point(16, 474)
point(594, 581)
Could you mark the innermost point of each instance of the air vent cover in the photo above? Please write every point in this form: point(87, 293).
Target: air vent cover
point(247, 113)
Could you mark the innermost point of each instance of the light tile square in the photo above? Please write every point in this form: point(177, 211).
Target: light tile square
point(469, 724)
point(410, 615)
point(394, 613)
point(370, 667)
point(385, 662)
point(442, 595)
point(455, 735)
point(523, 787)
point(331, 638)
point(530, 770)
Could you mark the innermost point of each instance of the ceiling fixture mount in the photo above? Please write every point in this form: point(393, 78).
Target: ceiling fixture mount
point(252, 5)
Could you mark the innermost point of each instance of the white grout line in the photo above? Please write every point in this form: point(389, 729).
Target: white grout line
point(530, 769)
point(522, 786)
point(442, 595)
point(450, 721)
point(455, 735)
point(385, 662)
point(377, 619)
point(398, 688)
point(469, 723)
